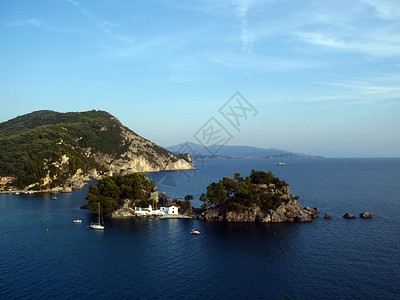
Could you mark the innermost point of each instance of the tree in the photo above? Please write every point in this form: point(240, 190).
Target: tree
point(216, 193)
point(188, 198)
point(187, 204)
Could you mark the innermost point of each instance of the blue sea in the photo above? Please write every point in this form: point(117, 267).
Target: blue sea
point(44, 255)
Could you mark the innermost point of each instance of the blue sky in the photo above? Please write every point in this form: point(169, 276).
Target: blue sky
point(323, 76)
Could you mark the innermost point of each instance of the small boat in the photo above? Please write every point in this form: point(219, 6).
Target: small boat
point(77, 221)
point(97, 225)
point(281, 164)
point(54, 196)
point(195, 232)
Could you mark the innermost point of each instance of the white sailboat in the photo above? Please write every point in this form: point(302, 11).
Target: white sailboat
point(97, 225)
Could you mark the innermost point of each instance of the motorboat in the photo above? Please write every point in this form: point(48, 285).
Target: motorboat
point(195, 232)
point(77, 221)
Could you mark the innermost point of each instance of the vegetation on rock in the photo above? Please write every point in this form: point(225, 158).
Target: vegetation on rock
point(113, 190)
point(32, 146)
point(260, 189)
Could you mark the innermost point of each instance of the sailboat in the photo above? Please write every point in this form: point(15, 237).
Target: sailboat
point(97, 225)
point(54, 196)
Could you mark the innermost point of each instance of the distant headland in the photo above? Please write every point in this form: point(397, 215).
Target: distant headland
point(236, 152)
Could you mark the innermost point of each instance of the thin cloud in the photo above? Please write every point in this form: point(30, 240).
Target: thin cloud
point(247, 36)
point(385, 9)
point(258, 63)
point(28, 22)
point(242, 7)
point(107, 27)
point(369, 90)
point(38, 24)
point(321, 39)
point(384, 44)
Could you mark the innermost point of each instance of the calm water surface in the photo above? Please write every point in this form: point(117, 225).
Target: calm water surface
point(326, 259)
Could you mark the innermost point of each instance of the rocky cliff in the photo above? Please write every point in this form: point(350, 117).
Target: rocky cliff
point(141, 156)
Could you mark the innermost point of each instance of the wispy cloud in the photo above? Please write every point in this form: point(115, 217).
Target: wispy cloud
point(258, 63)
point(369, 43)
point(107, 27)
point(38, 24)
point(365, 90)
point(385, 9)
point(247, 36)
point(28, 22)
point(242, 7)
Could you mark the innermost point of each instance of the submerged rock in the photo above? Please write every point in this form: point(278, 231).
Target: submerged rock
point(349, 216)
point(366, 215)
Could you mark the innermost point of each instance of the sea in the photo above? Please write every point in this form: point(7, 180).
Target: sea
point(44, 255)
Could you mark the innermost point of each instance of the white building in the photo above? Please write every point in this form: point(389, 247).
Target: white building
point(171, 210)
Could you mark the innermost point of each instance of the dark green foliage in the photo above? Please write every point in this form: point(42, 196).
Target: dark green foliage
point(238, 193)
point(31, 144)
point(113, 190)
point(187, 204)
point(260, 177)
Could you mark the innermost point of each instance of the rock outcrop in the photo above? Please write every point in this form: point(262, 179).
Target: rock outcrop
point(349, 216)
point(327, 217)
point(289, 212)
point(366, 215)
point(124, 212)
point(164, 200)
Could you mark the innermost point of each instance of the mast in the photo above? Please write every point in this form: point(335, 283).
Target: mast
point(99, 212)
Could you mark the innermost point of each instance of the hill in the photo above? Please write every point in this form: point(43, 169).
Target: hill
point(235, 151)
point(51, 150)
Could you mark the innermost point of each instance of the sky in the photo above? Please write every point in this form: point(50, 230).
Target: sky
point(316, 77)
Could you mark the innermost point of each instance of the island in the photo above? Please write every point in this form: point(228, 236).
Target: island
point(259, 197)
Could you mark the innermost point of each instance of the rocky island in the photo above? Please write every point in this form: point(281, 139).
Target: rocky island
point(260, 197)
point(52, 151)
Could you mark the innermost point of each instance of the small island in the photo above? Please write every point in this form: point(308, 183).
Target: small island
point(259, 197)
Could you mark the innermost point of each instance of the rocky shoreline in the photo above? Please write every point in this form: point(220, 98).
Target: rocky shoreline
point(289, 212)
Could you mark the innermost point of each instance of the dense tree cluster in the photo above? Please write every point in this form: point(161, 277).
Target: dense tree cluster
point(113, 190)
point(237, 193)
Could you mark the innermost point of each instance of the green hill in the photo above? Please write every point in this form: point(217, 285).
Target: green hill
point(45, 149)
